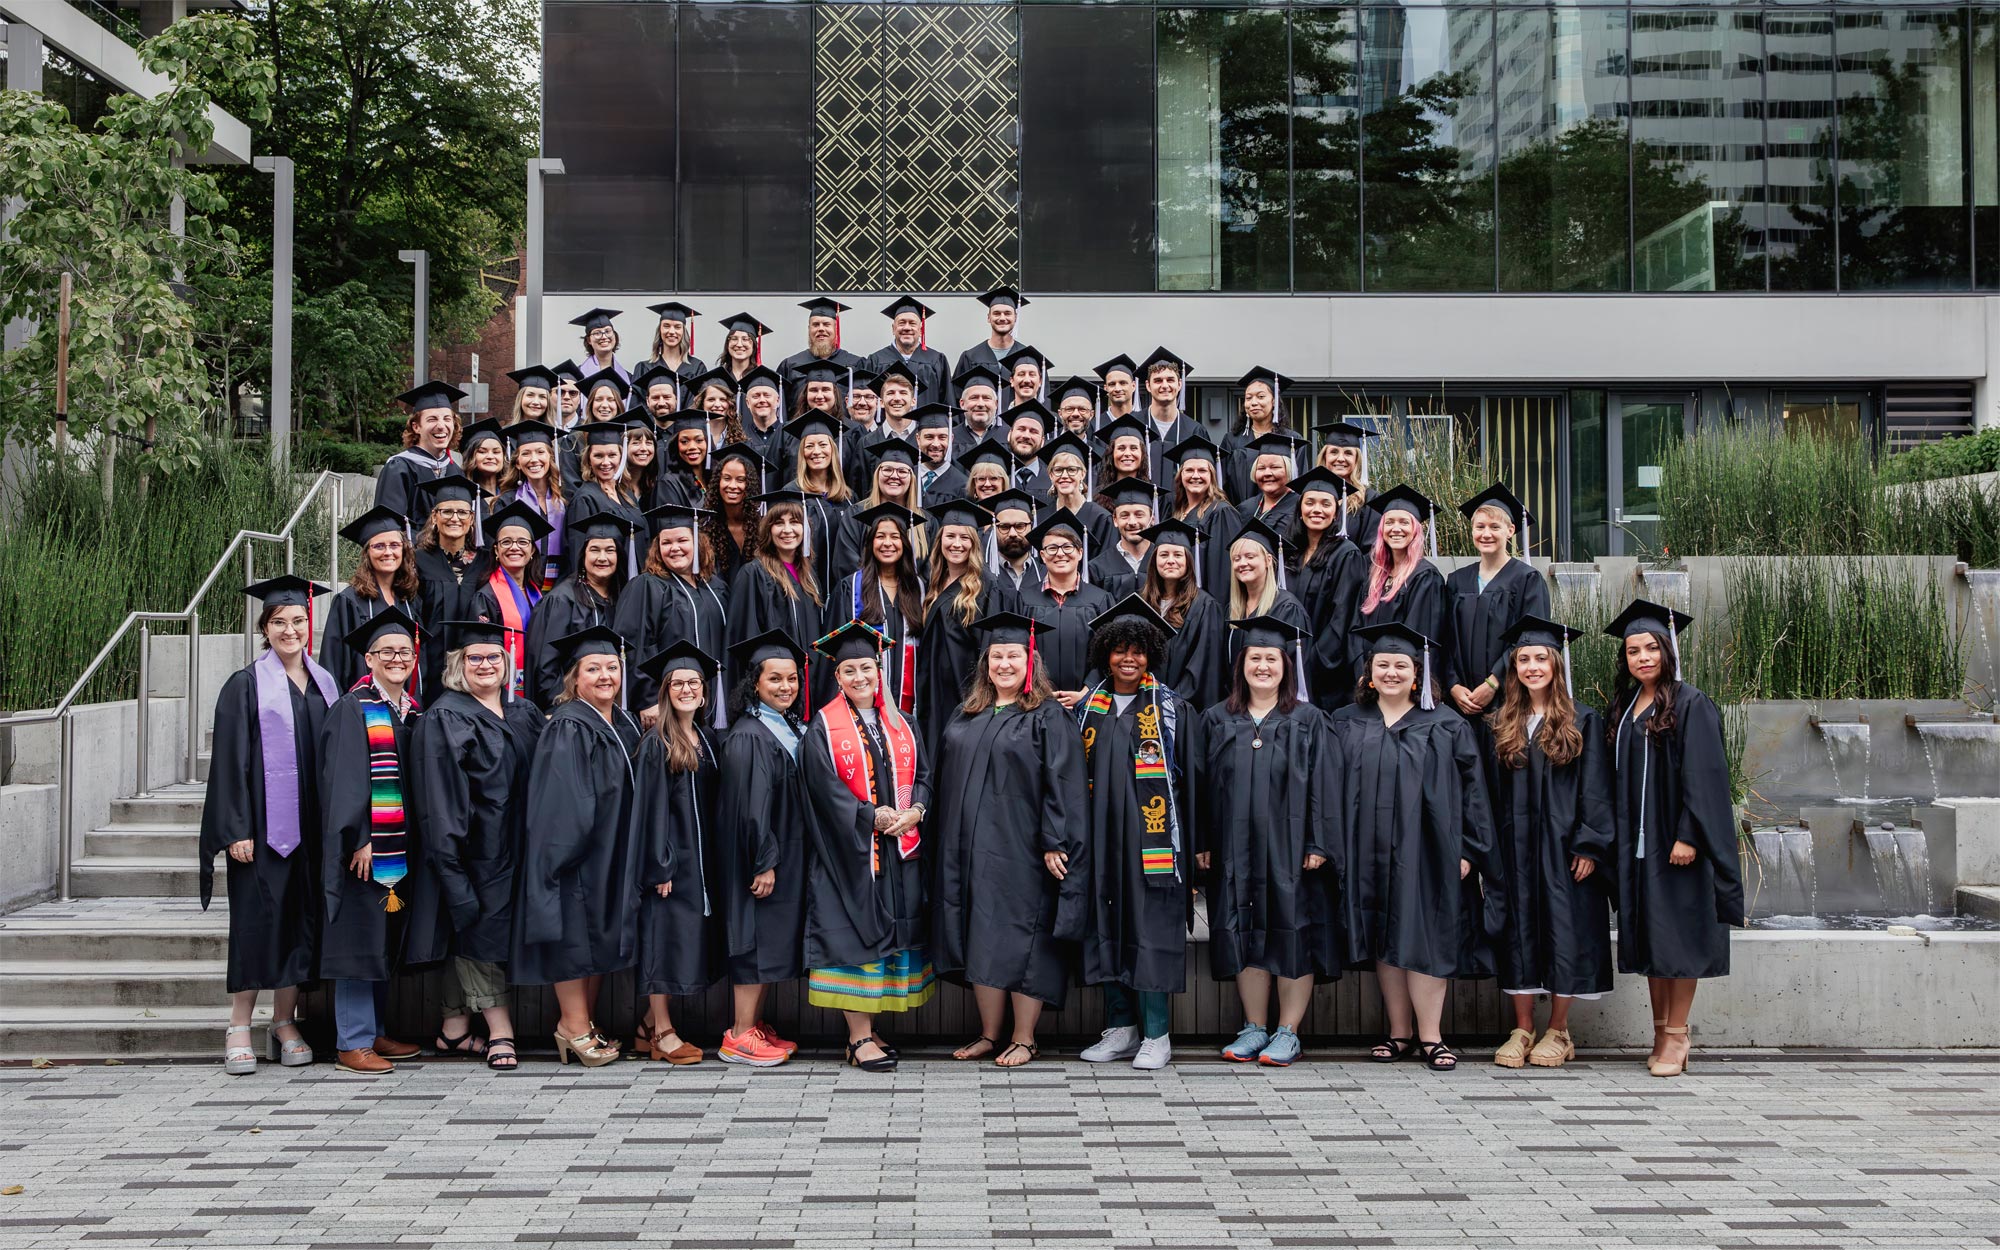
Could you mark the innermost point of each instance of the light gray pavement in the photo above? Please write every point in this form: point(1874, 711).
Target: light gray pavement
point(1755, 1150)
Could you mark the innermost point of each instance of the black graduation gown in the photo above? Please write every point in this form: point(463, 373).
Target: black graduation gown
point(1285, 606)
point(948, 655)
point(1112, 573)
point(344, 615)
point(864, 901)
point(1278, 516)
point(1065, 648)
point(729, 554)
point(655, 611)
point(1360, 522)
point(571, 606)
point(356, 941)
point(836, 540)
point(927, 363)
point(274, 900)
point(1219, 527)
point(1098, 527)
point(762, 813)
point(1416, 805)
point(471, 775)
point(757, 603)
point(1331, 587)
point(839, 610)
point(1672, 921)
point(448, 590)
point(1475, 619)
point(1136, 934)
point(1555, 931)
point(1010, 788)
point(980, 353)
point(1197, 659)
point(680, 936)
point(1240, 460)
point(1268, 807)
point(949, 483)
point(589, 499)
point(1419, 604)
point(789, 367)
point(397, 481)
point(576, 904)
point(1157, 445)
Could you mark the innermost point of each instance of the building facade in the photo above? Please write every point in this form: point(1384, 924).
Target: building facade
point(1566, 233)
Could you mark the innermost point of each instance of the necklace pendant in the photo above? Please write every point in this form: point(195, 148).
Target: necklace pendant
point(1257, 744)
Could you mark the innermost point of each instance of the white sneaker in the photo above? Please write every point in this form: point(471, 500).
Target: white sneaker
point(1154, 1053)
point(1118, 1043)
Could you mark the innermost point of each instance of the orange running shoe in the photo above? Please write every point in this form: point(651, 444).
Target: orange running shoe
point(770, 1035)
point(752, 1049)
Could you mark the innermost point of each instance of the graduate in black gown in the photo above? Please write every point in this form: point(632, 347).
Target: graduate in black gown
point(576, 909)
point(1679, 879)
point(1058, 595)
point(731, 501)
point(587, 597)
point(1343, 452)
point(1141, 744)
point(1486, 599)
point(1403, 586)
point(385, 578)
point(380, 899)
point(1197, 659)
point(512, 589)
point(427, 448)
point(776, 588)
point(676, 598)
point(262, 808)
point(1419, 841)
point(761, 864)
point(469, 770)
point(885, 592)
point(679, 844)
point(1119, 568)
point(1200, 502)
point(867, 787)
point(1273, 460)
point(453, 562)
point(1066, 461)
point(1329, 574)
point(1270, 776)
point(1263, 416)
point(1258, 587)
point(1552, 817)
point(814, 457)
point(1009, 861)
point(607, 487)
point(958, 594)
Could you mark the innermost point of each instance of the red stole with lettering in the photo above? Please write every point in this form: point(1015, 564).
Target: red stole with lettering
point(851, 760)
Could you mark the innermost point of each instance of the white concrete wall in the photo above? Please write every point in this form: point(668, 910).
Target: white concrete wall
point(1978, 836)
point(27, 845)
point(1412, 339)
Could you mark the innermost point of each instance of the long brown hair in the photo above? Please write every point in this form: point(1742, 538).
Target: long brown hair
point(1239, 686)
point(767, 554)
point(909, 597)
point(682, 737)
point(983, 695)
point(514, 479)
point(404, 583)
point(971, 583)
point(1559, 738)
point(1625, 688)
point(1171, 604)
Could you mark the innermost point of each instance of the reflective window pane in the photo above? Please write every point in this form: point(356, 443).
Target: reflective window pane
point(1427, 149)
point(1087, 149)
point(1798, 146)
point(1564, 162)
point(1326, 142)
point(1985, 92)
point(746, 147)
point(1223, 128)
point(1904, 221)
point(1698, 150)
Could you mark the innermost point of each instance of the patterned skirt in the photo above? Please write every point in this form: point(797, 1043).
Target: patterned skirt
point(902, 982)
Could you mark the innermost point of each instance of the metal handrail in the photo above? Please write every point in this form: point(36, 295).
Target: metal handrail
point(190, 615)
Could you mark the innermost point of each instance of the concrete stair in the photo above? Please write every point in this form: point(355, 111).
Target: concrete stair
point(148, 849)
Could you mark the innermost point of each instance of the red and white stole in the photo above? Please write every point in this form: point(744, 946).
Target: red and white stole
point(857, 771)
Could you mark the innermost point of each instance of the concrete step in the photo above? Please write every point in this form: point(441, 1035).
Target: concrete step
point(115, 932)
point(120, 841)
point(85, 984)
point(174, 805)
point(124, 1032)
point(127, 875)
point(1979, 900)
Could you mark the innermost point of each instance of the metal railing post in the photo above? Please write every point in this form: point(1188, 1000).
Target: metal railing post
point(145, 710)
point(249, 613)
point(333, 511)
point(194, 696)
point(65, 797)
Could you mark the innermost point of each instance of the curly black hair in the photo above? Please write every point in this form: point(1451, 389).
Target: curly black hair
point(1127, 631)
point(744, 697)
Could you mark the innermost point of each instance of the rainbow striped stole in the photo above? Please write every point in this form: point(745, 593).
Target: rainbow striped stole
point(387, 830)
point(1099, 705)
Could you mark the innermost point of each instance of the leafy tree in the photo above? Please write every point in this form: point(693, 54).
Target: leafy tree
point(96, 206)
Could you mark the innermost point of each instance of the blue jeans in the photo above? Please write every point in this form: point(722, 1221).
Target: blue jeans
point(1151, 1009)
point(357, 1012)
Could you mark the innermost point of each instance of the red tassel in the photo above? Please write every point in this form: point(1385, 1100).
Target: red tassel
point(806, 688)
point(923, 333)
point(1029, 683)
point(836, 331)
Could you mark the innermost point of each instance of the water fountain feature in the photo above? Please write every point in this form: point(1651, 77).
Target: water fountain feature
point(1963, 753)
point(1902, 869)
point(1983, 586)
point(1848, 747)
point(1787, 884)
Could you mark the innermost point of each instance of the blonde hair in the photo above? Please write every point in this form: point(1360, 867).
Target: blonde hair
point(970, 583)
point(834, 486)
point(980, 471)
point(1240, 607)
point(454, 670)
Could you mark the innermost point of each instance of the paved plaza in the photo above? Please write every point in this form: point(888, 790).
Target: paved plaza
point(1751, 1150)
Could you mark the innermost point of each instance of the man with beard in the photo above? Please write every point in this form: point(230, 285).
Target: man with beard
point(979, 400)
point(822, 344)
point(1013, 517)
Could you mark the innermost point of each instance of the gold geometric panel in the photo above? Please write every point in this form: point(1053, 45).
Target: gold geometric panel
point(916, 171)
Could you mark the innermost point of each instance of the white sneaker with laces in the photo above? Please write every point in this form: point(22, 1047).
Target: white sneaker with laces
point(1117, 1043)
point(1154, 1053)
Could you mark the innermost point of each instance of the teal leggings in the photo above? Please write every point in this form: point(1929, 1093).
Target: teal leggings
point(1152, 1007)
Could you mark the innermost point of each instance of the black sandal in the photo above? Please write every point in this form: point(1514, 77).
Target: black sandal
point(465, 1043)
point(1394, 1048)
point(881, 1063)
point(1034, 1053)
point(992, 1042)
point(506, 1062)
point(1439, 1057)
point(887, 1049)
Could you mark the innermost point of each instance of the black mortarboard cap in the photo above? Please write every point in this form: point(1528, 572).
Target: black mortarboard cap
point(1404, 499)
point(1174, 532)
point(526, 432)
point(478, 432)
point(1073, 385)
point(896, 450)
point(1127, 426)
point(596, 640)
point(908, 303)
point(1121, 363)
point(1269, 377)
point(1161, 356)
point(762, 375)
point(687, 419)
point(1394, 638)
point(717, 376)
point(962, 512)
point(599, 525)
point(606, 377)
point(1032, 408)
point(377, 520)
point(451, 488)
point(569, 369)
point(685, 653)
point(1499, 496)
point(676, 516)
point(673, 310)
point(602, 433)
point(864, 520)
point(772, 644)
point(1067, 441)
point(864, 380)
point(432, 394)
point(1133, 490)
point(1645, 616)
point(1539, 631)
point(1008, 629)
point(1005, 295)
point(856, 640)
point(459, 635)
point(813, 421)
point(1268, 631)
point(286, 591)
point(1323, 480)
point(1262, 534)
point(1025, 353)
point(634, 419)
point(1134, 607)
point(1275, 443)
point(933, 416)
point(654, 373)
point(747, 324)
point(988, 448)
point(1013, 499)
point(977, 374)
point(822, 306)
point(897, 369)
point(1060, 519)
point(1346, 434)
point(595, 318)
point(782, 495)
point(390, 620)
point(1195, 446)
point(519, 514)
point(822, 371)
point(750, 456)
point(534, 377)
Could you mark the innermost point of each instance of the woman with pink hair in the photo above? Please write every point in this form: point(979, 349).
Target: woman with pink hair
point(1403, 586)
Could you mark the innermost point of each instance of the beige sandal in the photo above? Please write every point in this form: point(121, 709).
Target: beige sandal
point(1554, 1050)
point(1660, 1067)
point(1514, 1052)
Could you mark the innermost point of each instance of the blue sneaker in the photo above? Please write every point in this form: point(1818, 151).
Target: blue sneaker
point(1282, 1049)
point(1249, 1043)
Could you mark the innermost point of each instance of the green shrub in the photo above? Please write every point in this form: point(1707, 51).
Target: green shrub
point(313, 451)
point(1950, 457)
point(1441, 465)
point(1826, 629)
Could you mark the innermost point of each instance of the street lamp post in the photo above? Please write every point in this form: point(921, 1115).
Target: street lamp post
point(278, 412)
point(420, 367)
point(528, 344)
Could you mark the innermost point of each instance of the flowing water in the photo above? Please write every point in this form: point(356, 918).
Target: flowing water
point(1788, 883)
point(1964, 756)
point(1902, 869)
point(1847, 754)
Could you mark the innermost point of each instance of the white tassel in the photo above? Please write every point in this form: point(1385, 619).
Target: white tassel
point(1424, 699)
point(721, 720)
point(1432, 526)
point(1569, 678)
point(1674, 641)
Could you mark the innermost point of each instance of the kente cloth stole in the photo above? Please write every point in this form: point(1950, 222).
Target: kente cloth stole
point(1152, 776)
point(857, 770)
point(387, 830)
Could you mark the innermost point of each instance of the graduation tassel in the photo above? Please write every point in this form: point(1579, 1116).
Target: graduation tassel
point(1674, 641)
point(1432, 535)
point(1425, 701)
point(1569, 681)
point(923, 332)
point(1299, 657)
point(992, 551)
point(721, 718)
